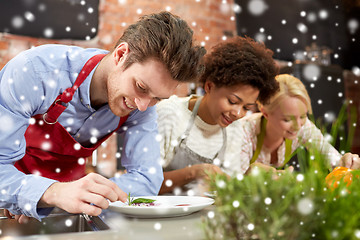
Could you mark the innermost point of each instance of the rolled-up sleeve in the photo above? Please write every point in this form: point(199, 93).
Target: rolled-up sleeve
point(19, 193)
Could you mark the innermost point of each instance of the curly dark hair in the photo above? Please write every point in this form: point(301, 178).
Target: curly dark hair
point(167, 38)
point(241, 60)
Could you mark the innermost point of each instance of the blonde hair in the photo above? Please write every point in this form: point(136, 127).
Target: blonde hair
point(288, 86)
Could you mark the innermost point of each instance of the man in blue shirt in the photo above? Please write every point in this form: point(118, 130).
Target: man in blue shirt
point(59, 103)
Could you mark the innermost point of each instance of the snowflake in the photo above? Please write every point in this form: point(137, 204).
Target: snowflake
point(305, 206)
point(152, 170)
point(81, 161)
point(168, 183)
point(68, 222)
point(311, 72)
point(17, 22)
point(240, 176)
point(190, 192)
point(267, 201)
point(157, 226)
point(77, 146)
point(48, 32)
point(221, 183)
point(46, 146)
point(251, 226)
point(236, 204)
point(357, 233)
point(217, 162)
point(27, 207)
point(6, 123)
point(211, 214)
point(257, 7)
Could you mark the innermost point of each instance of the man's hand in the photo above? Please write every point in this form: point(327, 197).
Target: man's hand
point(350, 160)
point(22, 219)
point(89, 195)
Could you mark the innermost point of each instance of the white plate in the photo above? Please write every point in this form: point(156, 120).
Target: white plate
point(166, 206)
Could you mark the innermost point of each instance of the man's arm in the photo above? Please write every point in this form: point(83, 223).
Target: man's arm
point(20, 193)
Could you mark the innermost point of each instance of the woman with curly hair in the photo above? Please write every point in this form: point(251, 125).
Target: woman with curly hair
point(198, 132)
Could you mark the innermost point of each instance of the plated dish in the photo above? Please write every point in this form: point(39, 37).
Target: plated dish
point(164, 206)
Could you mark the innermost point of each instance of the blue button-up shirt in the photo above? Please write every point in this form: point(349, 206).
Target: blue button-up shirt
point(29, 84)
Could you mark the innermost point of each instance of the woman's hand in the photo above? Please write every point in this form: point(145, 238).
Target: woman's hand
point(350, 160)
point(267, 168)
point(204, 170)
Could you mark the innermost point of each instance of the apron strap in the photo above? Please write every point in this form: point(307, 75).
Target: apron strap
point(191, 121)
point(61, 102)
point(220, 154)
point(288, 155)
point(260, 142)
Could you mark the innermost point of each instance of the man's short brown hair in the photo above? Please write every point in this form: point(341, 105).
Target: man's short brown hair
point(167, 38)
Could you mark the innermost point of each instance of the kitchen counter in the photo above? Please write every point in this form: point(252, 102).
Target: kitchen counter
point(187, 227)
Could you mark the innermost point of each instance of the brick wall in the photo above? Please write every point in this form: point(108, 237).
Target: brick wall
point(211, 20)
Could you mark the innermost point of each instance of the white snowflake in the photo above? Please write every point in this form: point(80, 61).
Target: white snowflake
point(152, 170)
point(46, 146)
point(77, 146)
point(48, 32)
point(168, 183)
point(257, 7)
point(251, 226)
point(157, 226)
point(68, 222)
point(6, 123)
point(17, 22)
point(211, 214)
point(236, 204)
point(27, 207)
point(267, 201)
point(305, 206)
point(81, 161)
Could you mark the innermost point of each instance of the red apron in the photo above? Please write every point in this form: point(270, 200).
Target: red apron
point(50, 150)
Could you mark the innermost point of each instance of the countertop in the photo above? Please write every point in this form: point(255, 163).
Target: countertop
point(187, 227)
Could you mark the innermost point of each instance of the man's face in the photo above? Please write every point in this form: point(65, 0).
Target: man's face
point(139, 86)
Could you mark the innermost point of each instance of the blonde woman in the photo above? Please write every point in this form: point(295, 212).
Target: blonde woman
point(270, 137)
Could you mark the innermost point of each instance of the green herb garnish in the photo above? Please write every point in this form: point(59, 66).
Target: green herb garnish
point(132, 201)
point(143, 200)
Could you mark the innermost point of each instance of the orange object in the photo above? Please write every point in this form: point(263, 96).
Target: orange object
point(339, 174)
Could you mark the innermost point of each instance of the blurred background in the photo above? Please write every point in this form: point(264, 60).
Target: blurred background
point(315, 40)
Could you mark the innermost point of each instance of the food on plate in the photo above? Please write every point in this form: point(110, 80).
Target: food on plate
point(140, 201)
point(143, 202)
